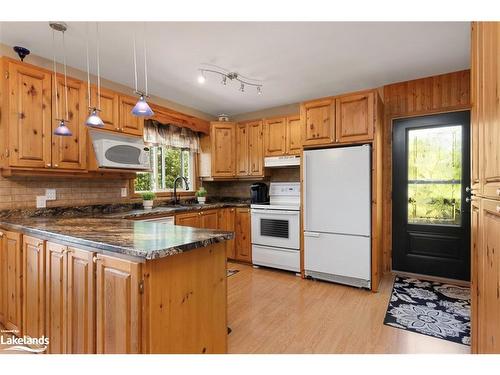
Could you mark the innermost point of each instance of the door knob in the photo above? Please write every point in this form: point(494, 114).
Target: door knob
point(468, 189)
point(468, 199)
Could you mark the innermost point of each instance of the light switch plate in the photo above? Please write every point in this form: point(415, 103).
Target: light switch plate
point(124, 192)
point(41, 201)
point(50, 194)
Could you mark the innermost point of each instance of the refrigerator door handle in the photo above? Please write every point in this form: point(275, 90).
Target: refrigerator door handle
point(311, 234)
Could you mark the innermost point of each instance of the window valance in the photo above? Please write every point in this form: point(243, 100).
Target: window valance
point(157, 134)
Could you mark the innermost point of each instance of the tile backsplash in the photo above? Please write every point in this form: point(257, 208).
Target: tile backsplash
point(21, 192)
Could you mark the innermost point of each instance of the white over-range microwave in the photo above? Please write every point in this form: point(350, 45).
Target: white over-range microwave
point(120, 151)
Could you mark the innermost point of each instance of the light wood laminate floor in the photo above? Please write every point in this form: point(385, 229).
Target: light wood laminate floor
point(271, 311)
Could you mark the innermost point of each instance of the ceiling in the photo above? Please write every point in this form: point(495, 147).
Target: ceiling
point(294, 60)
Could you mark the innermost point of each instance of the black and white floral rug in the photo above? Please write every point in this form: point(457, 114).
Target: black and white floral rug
point(431, 308)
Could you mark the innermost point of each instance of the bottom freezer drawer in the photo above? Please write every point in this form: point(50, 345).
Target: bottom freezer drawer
point(285, 259)
point(337, 254)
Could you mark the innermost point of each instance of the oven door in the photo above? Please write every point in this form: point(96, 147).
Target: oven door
point(279, 228)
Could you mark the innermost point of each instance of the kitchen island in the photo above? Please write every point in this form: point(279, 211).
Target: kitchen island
point(109, 285)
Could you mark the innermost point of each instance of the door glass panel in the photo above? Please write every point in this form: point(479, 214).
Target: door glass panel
point(434, 175)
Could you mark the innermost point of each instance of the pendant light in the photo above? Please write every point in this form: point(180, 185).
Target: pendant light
point(94, 120)
point(62, 128)
point(142, 108)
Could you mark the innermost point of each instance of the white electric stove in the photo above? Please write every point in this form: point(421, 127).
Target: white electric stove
point(276, 228)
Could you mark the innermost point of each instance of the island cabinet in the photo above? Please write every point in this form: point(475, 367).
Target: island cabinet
point(33, 286)
point(243, 245)
point(226, 222)
point(11, 281)
point(355, 117)
point(319, 122)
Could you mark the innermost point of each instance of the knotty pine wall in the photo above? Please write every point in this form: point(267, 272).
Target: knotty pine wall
point(442, 93)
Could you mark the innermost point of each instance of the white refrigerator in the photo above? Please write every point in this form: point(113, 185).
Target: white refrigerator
point(337, 215)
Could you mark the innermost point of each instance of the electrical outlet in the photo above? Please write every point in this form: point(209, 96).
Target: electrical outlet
point(41, 201)
point(124, 192)
point(50, 194)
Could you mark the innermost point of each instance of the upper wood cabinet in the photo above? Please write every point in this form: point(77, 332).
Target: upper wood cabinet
point(293, 135)
point(118, 306)
point(355, 117)
point(29, 115)
point(255, 149)
point(129, 123)
point(109, 105)
point(222, 137)
point(242, 150)
point(319, 122)
point(11, 280)
point(33, 286)
point(70, 152)
point(275, 136)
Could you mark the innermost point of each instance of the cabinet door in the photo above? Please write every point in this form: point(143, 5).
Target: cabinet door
point(275, 136)
point(229, 220)
point(55, 297)
point(489, 278)
point(255, 149)
point(209, 219)
point(109, 108)
point(489, 161)
point(129, 123)
point(191, 219)
point(30, 116)
point(475, 271)
point(475, 133)
point(319, 122)
point(69, 152)
point(355, 118)
point(3, 277)
point(242, 232)
point(33, 286)
point(118, 306)
point(241, 150)
point(223, 155)
point(293, 135)
point(11, 280)
point(80, 302)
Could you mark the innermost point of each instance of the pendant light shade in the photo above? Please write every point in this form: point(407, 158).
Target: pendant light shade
point(142, 108)
point(94, 120)
point(63, 130)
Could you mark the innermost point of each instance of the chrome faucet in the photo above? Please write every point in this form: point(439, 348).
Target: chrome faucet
point(176, 200)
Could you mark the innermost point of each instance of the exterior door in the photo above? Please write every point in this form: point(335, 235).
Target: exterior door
point(431, 203)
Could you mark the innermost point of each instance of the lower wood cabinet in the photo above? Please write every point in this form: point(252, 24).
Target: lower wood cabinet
point(190, 219)
point(209, 219)
point(33, 286)
point(11, 280)
point(226, 222)
point(243, 245)
point(118, 305)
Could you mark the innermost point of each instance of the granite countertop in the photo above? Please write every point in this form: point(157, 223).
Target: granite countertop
point(144, 240)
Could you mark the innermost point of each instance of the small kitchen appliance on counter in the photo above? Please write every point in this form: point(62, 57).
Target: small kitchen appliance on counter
point(258, 193)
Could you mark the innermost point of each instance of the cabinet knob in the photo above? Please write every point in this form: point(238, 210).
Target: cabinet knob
point(468, 199)
point(56, 165)
point(1, 234)
point(94, 259)
point(48, 164)
point(498, 209)
point(498, 192)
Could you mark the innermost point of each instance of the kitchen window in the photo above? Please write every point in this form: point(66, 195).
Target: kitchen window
point(167, 163)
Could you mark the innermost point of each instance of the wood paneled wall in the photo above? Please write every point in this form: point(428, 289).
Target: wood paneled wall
point(442, 93)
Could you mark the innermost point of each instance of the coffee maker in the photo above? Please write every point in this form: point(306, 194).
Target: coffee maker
point(259, 193)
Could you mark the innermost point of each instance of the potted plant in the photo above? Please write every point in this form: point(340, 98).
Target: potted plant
point(201, 195)
point(148, 199)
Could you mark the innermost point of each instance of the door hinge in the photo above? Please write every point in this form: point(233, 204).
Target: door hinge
point(141, 287)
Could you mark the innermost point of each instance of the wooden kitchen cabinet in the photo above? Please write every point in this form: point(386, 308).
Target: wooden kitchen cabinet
point(128, 123)
point(293, 135)
point(70, 152)
point(27, 115)
point(355, 117)
point(56, 297)
point(209, 219)
point(223, 149)
point(255, 149)
point(243, 246)
point(189, 219)
point(275, 136)
point(118, 306)
point(319, 122)
point(11, 280)
point(33, 286)
point(80, 322)
point(227, 222)
point(242, 150)
point(476, 269)
point(110, 113)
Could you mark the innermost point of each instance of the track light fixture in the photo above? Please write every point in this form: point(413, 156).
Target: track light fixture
point(228, 75)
